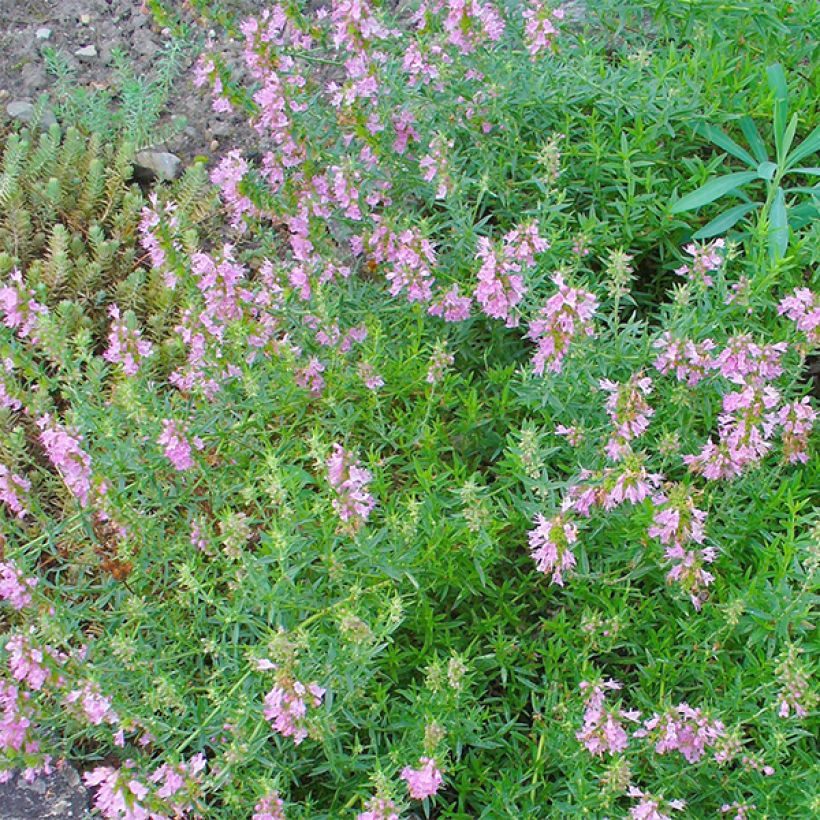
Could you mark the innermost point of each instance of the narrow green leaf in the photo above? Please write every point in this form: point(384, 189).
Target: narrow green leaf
point(749, 129)
point(790, 132)
point(809, 146)
point(812, 172)
point(777, 83)
point(712, 190)
point(728, 219)
point(802, 189)
point(778, 226)
point(766, 170)
point(724, 141)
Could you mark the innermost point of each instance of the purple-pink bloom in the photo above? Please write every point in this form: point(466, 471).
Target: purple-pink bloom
point(21, 311)
point(286, 707)
point(422, 782)
point(379, 808)
point(269, 807)
point(550, 546)
point(349, 481)
point(565, 317)
point(176, 446)
point(603, 729)
point(13, 491)
point(63, 449)
point(803, 308)
point(14, 586)
point(539, 28)
point(125, 345)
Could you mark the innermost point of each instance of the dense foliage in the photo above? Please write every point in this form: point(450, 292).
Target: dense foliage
point(420, 461)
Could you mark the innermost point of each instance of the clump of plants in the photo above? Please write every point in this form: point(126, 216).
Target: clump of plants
point(445, 474)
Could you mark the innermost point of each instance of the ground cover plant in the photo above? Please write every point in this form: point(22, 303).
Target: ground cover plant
point(421, 462)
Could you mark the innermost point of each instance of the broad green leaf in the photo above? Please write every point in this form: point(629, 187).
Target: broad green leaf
point(728, 219)
point(754, 139)
point(724, 141)
point(778, 226)
point(712, 190)
point(766, 170)
point(809, 146)
point(777, 83)
point(803, 214)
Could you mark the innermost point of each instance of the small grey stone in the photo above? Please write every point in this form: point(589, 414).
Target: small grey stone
point(24, 111)
point(162, 164)
point(43, 33)
point(86, 52)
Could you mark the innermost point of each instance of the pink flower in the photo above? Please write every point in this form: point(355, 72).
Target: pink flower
point(21, 311)
point(440, 360)
point(682, 729)
point(565, 317)
point(651, 807)
point(367, 373)
point(6, 399)
point(96, 707)
point(422, 782)
point(228, 177)
point(803, 308)
point(676, 519)
point(469, 23)
point(741, 810)
point(349, 481)
point(269, 807)
point(628, 411)
point(310, 377)
point(14, 586)
point(550, 546)
point(451, 306)
point(603, 730)
point(797, 420)
point(407, 257)
point(13, 491)
point(125, 345)
point(379, 808)
point(119, 796)
point(176, 446)
point(286, 707)
point(500, 284)
point(63, 450)
point(796, 695)
point(705, 259)
point(539, 29)
point(690, 362)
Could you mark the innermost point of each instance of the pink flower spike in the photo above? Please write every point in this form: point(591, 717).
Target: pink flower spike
point(422, 782)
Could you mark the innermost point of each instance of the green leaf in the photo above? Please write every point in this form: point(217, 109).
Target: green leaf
point(812, 172)
point(790, 132)
point(724, 141)
point(803, 214)
point(728, 219)
point(809, 146)
point(753, 137)
point(778, 226)
point(766, 170)
point(712, 190)
point(801, 189)
point(780, 89)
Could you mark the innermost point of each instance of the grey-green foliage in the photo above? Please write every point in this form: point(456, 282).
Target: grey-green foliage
point(129, 107)
point(777, 212)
